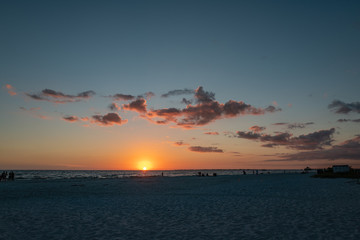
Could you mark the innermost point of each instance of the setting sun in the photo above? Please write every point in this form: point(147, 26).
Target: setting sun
point(144, 165)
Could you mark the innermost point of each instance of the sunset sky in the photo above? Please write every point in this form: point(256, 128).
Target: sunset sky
point(179, 84)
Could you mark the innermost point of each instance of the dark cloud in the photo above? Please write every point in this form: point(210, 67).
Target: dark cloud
point(257, 129)
point(71, 118)
point(272, 109)
point(349, 120)
point(349, 149)
point(139, 105)
point(186, 101)
point(122, 97)
point(178, 92)
point(344, 108)
point(59, 97)
point(211, 133)
point(108, 119)
point(205, 149)
point(202, 96)
point(311, 141)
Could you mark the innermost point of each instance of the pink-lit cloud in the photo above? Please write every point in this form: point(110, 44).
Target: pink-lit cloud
point(206, 111)
point(10, 90)
point(139, 105)
point(114, 107)
point(257, 128)
point(211, 133)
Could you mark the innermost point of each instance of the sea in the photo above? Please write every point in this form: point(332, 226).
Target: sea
point(114, 174)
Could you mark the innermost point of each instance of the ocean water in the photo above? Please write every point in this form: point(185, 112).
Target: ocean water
point(113, 174)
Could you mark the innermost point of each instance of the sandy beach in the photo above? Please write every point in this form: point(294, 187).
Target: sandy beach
point(274, 206)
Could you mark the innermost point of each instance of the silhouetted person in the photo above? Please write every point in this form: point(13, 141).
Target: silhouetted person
point(11, 176)
point(244, 172)
point(4, 175)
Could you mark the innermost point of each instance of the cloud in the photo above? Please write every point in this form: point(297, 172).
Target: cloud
point(10, 90)
point(205, 149)
point(147, 95)
point(349, 120)
point(349, 149)
point(257, 129)
point(293, 125)
point(122, 97)
point(186, 101)
point(139, 105)
point(114, 107)
point(59, 97)
point(299, 125)
point(177, 92)
point(35, 113)
point(344, 108)
point(311, 141)
point(108, 119)
point(280, 124)
point(206, 111)
point(202, 96)
point(71, 118)
point(180, 143)
point(211, 133)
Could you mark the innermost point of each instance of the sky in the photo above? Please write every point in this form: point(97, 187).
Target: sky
point(179, 84)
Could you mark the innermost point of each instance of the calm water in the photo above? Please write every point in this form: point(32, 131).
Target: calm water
point(109, 174)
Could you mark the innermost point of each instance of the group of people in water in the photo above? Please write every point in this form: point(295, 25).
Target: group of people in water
point(200, 174)
point(7, 176)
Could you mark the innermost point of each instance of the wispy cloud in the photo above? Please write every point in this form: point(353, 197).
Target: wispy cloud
point(180, 143)
point(211, 133)
point(293, 125)
point(344, 108)
point(59, 97)
point(122, 97)
point(349, 120)
point(35, 112)
point(177, 92)
point(205, 149)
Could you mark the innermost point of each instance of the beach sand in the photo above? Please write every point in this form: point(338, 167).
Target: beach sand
point(274, 206)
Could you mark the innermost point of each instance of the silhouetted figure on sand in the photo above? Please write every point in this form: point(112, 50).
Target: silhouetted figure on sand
point(11, 176)
point(3, 176)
